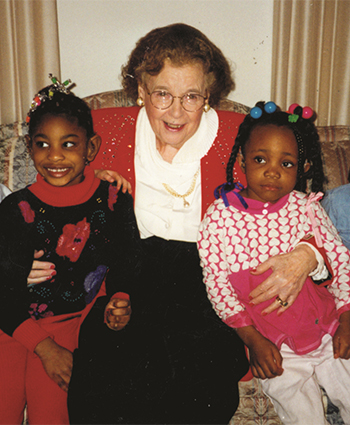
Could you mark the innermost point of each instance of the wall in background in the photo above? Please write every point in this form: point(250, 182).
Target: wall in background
point(97, 36)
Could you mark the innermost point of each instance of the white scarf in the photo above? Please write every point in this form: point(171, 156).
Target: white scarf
point(159, 213)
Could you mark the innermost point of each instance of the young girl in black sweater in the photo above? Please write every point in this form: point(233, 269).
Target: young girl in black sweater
point(87, 228)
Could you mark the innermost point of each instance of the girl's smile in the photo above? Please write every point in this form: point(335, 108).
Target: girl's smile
point(270, 163)
point(59, 150)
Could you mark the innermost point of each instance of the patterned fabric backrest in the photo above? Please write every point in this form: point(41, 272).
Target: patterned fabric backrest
point(17, 169)
point(335, 145)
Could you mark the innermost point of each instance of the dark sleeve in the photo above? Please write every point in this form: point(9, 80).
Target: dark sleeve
point(124, 259)
point(16, 257)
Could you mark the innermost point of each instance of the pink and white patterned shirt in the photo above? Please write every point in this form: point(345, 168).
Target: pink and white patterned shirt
point(233, 240)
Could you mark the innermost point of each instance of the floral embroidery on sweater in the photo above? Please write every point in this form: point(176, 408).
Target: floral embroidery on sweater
point(73, 239)
point(27, 212)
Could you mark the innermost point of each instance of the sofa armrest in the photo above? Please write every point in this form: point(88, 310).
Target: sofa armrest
point(16, 167)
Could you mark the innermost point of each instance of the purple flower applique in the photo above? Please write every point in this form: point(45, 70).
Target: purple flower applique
point(93, 282)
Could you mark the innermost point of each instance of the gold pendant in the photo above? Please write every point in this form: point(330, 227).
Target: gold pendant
point(186, 204)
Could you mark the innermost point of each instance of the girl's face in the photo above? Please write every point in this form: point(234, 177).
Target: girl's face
point(270, 163)
point(60, 150)
point(174, 126)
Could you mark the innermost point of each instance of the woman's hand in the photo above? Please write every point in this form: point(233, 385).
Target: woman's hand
point(57, 362)
point(289, 272)
point(117, 313)
point(112, 176)
point(41, 270)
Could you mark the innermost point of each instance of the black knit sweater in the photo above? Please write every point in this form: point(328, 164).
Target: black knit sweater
point(83, 229)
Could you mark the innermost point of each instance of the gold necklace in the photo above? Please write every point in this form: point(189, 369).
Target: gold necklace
point(177, 195)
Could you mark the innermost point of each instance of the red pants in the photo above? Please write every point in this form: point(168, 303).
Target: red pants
point(23, 380)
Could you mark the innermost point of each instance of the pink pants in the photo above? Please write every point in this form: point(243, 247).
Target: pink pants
point(23, 380)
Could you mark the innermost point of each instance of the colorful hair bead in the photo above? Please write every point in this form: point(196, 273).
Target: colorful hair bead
point(270, 107)
point(256, 112)
point(306, 112)
point(292, 108)
point(42, 97)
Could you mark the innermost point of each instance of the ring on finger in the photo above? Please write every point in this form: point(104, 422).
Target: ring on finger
point(283, 303)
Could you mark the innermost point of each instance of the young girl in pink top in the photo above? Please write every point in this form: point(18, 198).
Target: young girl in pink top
point(309, 344)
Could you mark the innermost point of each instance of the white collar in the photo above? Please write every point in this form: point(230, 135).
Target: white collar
point(193, 150)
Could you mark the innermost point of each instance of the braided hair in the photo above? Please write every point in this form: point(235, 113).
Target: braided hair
point(58, 103)
point(306, 136)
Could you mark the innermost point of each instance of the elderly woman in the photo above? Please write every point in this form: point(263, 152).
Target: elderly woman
point(175, 362)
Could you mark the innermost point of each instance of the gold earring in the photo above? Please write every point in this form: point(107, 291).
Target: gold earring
point(139, 101)
point(206, 107)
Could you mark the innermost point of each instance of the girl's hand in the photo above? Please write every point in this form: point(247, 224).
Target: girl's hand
point(41, 270)
point(265, 358)
point(341, 339)
point(117, 313)
point(289, 272)
point(112, 176)
point(57, 362)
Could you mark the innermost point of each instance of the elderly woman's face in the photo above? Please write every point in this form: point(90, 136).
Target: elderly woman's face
point(174, 126)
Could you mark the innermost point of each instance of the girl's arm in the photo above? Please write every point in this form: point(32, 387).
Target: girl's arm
point(216, 263)
point(265, 358)
point(57, 362)
point(16, 250)
point(341, 339)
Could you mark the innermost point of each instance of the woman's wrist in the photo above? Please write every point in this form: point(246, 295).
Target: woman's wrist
point(318, 269)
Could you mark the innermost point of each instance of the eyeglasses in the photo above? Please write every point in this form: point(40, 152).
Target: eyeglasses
point(191, 102)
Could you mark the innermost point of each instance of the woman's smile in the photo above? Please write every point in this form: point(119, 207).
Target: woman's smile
point(174, 125)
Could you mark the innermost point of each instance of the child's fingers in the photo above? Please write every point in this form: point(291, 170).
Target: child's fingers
point(336, 347)
point(127, 186)
point(38, 254)
point(117, 313)
point(104, 175)
point(341, 348)
point(260, 371)
point(255, 372)
point(118, 303)
point(116, 323)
